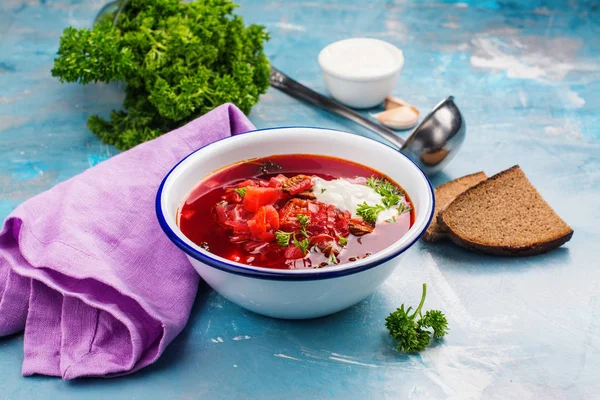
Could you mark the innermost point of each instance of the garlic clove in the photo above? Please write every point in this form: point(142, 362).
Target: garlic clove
point(403, 117)
point(395, 102)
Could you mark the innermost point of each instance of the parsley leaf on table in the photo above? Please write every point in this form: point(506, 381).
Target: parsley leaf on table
point(411, 331)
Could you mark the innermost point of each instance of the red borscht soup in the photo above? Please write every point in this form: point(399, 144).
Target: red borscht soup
point(295, 211)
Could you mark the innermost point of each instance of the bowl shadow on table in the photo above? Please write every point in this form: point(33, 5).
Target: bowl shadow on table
point(176, 351)
point(449, 256)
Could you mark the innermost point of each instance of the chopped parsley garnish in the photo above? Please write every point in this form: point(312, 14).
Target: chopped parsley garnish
point(342, 241)
point(403, 209)
point(332, 258)
point(283, 238)
point(386, 188)
point(323, 190)
point(241, 191)
point(303, 221)
point(390, 201)
point(301, 244)
point(369, 213)
point(390, 194)
point(373, 182)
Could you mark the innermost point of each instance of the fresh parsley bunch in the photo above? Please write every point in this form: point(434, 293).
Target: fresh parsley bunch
point(179, 61)
point(413, 331)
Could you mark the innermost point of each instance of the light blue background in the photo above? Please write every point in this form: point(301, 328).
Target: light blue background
point(526, 76)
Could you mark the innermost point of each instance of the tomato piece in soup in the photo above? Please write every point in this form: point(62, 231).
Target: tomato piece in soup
point(272, 217)
point(263, 223)
point(257, 197)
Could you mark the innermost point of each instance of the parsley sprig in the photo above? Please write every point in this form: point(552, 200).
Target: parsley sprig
point(332, 259)
point(369, 213)
point(391, 194)
point(283, 239)
point(414, 334)
point(241, 191)
point(403, 208)
point(303, 221)
point(390, 197)
point(301, 244)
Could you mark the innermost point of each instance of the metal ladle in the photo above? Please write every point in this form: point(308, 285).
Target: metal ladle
point(433, 143)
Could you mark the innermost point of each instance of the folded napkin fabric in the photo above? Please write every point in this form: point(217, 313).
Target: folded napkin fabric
point(86, 270)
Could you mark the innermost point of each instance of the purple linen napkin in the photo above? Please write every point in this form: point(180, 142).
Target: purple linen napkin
point(86, 270)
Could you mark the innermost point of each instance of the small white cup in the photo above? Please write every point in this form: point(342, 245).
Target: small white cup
point(361, 72)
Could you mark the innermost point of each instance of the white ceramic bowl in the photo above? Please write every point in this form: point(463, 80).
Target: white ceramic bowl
point(305, 293)
point(352, 74)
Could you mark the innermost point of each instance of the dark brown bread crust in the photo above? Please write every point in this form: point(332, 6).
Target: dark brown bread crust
point(538, 248)
point(500, 250)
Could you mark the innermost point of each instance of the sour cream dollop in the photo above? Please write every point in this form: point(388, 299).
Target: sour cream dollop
point(347, 196)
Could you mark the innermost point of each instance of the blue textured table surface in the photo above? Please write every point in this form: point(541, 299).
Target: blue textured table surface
point(527, 78)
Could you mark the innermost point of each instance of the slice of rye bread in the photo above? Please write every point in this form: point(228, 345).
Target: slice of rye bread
point(504, 215)
point(444, 194)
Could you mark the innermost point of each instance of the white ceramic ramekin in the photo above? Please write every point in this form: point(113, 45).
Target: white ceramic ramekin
point(305, 293)
point(361, 88)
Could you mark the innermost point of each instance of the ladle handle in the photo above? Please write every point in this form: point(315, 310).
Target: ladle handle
point(301, 92)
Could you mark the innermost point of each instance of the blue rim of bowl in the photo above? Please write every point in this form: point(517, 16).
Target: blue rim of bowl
point(274, 274)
